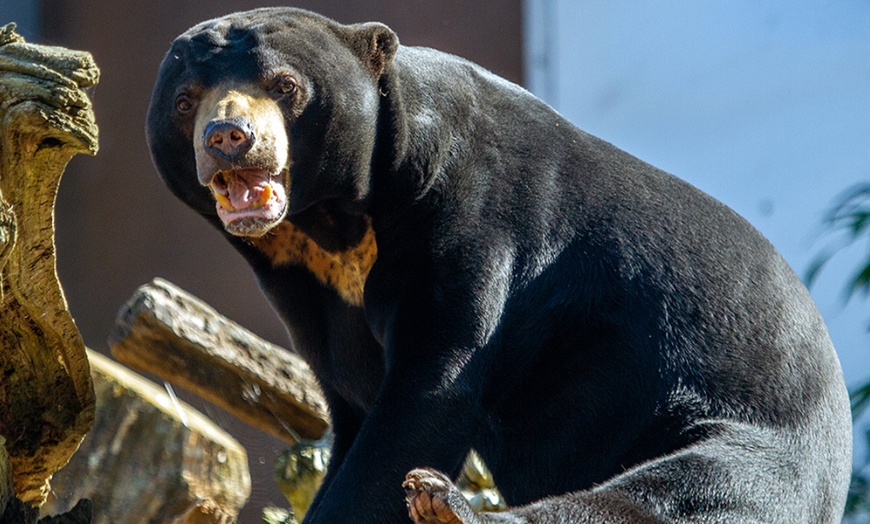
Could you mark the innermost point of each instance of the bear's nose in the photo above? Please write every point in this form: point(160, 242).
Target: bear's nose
point(228, 139)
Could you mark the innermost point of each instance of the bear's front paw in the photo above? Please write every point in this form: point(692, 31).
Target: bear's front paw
point(433, 499)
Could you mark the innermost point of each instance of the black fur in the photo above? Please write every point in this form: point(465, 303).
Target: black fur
point(601, 332)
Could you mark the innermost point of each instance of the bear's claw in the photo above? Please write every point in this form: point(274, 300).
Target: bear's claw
point(433, 499)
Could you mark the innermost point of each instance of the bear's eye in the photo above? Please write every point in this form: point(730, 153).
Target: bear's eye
point(285, 85)
point(183, 103)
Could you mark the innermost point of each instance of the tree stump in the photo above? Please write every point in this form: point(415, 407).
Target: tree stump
point(46, 395)
point(151, 458)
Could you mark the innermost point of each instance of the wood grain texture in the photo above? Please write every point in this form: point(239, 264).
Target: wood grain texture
point(151, 458)
point(166, 331)
point(46, 395)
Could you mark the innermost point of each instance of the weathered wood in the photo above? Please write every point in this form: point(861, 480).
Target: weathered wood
point(165, 331)
point(278, 516)
point(14, 511)
point(81, 513)
point(299, 471)
point(5, 477)
point(151, 458)
point(46, 396)
point(478, 487)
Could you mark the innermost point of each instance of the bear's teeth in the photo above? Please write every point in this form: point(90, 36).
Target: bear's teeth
point(266, 195)
point(223, 201)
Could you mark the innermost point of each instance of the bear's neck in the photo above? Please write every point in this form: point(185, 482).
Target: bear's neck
point(410, 150)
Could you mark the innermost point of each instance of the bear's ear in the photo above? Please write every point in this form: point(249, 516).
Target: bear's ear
point(375, 44)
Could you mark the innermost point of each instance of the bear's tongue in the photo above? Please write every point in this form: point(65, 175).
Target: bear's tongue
point(245, 187)
point(245, 190)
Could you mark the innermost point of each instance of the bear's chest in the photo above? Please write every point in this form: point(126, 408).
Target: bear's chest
point(344, 270)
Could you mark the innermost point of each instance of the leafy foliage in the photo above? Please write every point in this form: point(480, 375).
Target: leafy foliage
point(848, 222)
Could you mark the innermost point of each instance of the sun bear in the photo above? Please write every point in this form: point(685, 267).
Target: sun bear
point(465, 269)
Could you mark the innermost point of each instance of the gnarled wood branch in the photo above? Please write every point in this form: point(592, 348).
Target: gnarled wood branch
point(46, 395)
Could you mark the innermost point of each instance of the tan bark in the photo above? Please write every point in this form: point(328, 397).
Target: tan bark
point(46, 395)
point(165, 331)
point(5, 476)
point(151, 458)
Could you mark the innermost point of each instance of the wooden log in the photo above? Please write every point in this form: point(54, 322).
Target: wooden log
point(166, 331)
point(151, 458)
point(46, 395)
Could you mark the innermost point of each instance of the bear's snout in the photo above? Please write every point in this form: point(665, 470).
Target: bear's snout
point(228, 139)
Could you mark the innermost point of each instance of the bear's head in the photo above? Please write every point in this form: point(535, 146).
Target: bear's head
point(263, 113)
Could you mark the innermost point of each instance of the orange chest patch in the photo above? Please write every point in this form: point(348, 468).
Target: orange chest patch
point(344, 271)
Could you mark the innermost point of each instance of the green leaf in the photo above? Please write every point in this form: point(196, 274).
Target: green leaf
point(848, 220)
point(860, 399)
point(861, 281)
point(815, 268)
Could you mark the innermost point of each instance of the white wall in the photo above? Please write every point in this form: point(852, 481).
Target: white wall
point(765, 105)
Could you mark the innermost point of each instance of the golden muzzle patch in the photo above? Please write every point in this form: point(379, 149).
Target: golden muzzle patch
point(243, 155)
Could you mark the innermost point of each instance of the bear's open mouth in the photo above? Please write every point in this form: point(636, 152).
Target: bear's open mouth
point(249, 201)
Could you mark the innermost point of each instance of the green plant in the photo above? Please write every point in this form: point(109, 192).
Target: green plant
point(848, 222)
